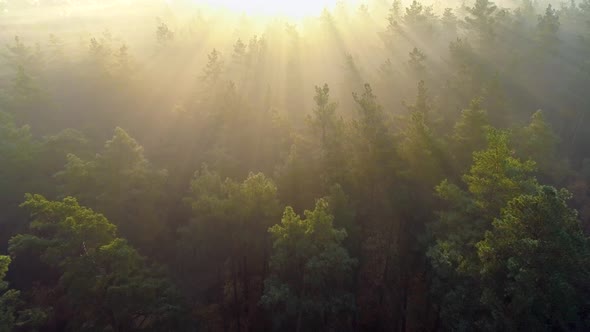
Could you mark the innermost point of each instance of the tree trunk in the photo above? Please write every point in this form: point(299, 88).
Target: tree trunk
point(245, 285)
point(236, 302)
point(404, 307)
point(299, 318)
point(224, 312)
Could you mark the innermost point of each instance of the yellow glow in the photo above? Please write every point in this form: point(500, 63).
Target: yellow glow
point(296, 9)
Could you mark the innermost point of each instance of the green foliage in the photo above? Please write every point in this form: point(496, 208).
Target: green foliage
point(227, 230)
point(418, 19)
point(318, 158)
point(538, 142)
point(488, 249)
point(310, 271)
point(25, 100)
point(121, 183)
point(54, 149)
point(419, 147)
point(374, 155)
point(548, 29)
point(299, 177)
point(19, 154)
point(342, 210)
point(534, 266)
point(331, 132)
point(14, 314)
point(541, 141)
point(228, 210)
point(236, 209)
point(470, 133)
point(481, 19)
point(496, 176)
point(81, 246)
point(7, 299)
point(17, 150)
point(324, 115)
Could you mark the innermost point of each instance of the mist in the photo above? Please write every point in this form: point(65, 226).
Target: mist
point(373, 165)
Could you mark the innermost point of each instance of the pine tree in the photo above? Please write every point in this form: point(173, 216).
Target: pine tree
point(548, 30)
point(121, 183)
point(81, 247)
point(534, 266)
point(309, 271)
point(481, 20)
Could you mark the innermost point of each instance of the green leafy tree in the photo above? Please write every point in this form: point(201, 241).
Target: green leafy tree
point(81, 247)
point(317, 159)
point(121, 183)
point(419, 148)
point(54, 149)
point(310, 271)
point(469, 134)
point(19, 154)
point(548, 30)
point(374, 156)
point(299, 176)
point(228, 231)
point(424, 163)
point(467, 78)
point(534, 266)
point(374, 160)
point(481, 20)
point(27, 101)
point(14, 316)
point(324, 115)
point(495, 178)
point(8, 299)
point(419, 19)
point(329, 130)
point(344, 213)
point(538, 142)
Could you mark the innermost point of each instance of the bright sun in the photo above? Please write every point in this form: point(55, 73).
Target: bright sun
point(290, 8)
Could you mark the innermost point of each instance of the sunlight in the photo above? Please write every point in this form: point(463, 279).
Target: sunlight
point(295, 9)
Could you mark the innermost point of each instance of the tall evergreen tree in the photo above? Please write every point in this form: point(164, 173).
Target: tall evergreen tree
point(81, 248)
point(309, 272)
point(534, 263)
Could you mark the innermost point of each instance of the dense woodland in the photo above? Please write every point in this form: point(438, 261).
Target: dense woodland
point(385, 166)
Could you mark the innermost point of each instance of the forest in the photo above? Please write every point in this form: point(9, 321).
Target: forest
point(378, 165)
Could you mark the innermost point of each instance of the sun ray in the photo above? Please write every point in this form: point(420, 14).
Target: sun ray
point(294, 10)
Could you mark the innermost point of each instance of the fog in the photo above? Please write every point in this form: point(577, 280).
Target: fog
point(346, 47)
point(374, 165)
